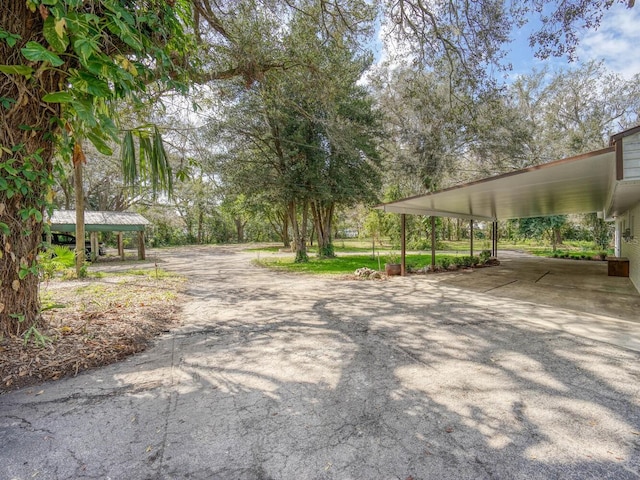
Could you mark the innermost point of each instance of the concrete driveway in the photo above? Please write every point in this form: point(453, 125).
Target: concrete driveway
point(278, 376)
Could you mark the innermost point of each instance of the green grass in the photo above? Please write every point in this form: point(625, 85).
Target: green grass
point(341, 265)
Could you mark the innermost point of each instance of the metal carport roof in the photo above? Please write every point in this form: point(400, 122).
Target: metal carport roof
point(581, 184)
point(65, 221)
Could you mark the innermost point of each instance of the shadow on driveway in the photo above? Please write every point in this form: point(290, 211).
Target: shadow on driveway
point(278, 376)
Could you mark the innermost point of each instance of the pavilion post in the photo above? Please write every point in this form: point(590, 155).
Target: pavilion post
point(141, 252)
point(433, 243)
point(93, 238)
point(471, 237)
point(121, 245)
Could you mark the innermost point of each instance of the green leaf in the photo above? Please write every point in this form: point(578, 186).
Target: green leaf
point(128, 158)
point(17, 70)
point(99, 143)
point(10, 38)
point(37, 53)
point(108, 127)
point(85, 48)
point(49, 2)
point(84, 111)
point(90, 84)
point(4, 228)
point(77, 24)
point(58, 97)
point(7, 102)
point(55, 33)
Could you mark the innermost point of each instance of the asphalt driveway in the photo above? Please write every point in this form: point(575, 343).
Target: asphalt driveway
point(279, 376)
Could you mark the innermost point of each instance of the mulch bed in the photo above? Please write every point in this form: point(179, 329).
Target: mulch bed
point(103, 321)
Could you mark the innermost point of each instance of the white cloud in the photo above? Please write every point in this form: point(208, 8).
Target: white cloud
point(617, 41)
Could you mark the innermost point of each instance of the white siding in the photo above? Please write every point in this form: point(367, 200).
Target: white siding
point(631, 156)
point(631, 249)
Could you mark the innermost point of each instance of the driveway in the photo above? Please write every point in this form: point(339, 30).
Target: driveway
point(280, 376)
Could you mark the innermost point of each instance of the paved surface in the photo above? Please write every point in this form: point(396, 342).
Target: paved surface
point(278, 376)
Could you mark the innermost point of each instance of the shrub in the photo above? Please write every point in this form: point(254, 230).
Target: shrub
point(56, 259)
point(484, 256)
point(445, 262)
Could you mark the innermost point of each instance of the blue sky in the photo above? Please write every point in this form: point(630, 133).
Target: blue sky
point(617, 42)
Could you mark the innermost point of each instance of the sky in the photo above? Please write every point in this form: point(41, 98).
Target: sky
point(617, 42)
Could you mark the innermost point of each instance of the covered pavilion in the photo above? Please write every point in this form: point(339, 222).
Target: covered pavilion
point(94, 222)
point(605, 181)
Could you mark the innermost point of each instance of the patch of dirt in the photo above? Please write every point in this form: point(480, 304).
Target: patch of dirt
point(102, 321)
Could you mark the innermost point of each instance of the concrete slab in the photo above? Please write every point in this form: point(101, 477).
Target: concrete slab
point(583, 286)
point(277, 376)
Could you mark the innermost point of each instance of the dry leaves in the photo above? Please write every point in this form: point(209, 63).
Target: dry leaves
point(97, 327)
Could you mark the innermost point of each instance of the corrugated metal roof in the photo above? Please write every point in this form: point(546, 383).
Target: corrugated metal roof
point(99, 221)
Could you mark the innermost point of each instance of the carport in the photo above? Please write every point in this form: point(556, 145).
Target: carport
point(94, 222)
point(604, 181)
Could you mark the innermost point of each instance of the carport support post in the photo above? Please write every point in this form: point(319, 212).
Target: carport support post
point(471, 236)
point(494, 238)
point(141, 253)
point(403, 244)
point(433, 243)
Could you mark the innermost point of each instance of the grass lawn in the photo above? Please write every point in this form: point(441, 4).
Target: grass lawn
point(347, 260)
point(342, 265)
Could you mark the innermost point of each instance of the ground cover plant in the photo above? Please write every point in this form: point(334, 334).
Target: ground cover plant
point(91, 322)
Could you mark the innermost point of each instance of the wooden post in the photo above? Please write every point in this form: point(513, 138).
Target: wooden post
point(93, 237)
point(403, 244)
point(141, 253)
point(471, 236)
point(433, 243)
point(121, 245)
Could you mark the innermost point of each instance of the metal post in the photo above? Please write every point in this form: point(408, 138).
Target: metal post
point(494, 235)
point(471, 236)
point(433, 243)
point(403, 244)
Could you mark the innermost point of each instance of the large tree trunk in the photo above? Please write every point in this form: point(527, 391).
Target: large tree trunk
point(323, 220)
point(284, 230)
point(26, 158)
point(200, 226)
point(299, 229)
point(239, 229)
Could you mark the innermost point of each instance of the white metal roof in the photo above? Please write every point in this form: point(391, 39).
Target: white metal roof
point(582, 184)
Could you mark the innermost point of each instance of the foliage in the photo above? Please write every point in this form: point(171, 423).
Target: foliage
point(392, 257)
point(56, 259)
point(63, 64)
point(543, 226)
point(484, 256)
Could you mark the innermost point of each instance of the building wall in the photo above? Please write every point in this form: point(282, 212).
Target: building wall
point(631, 248)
